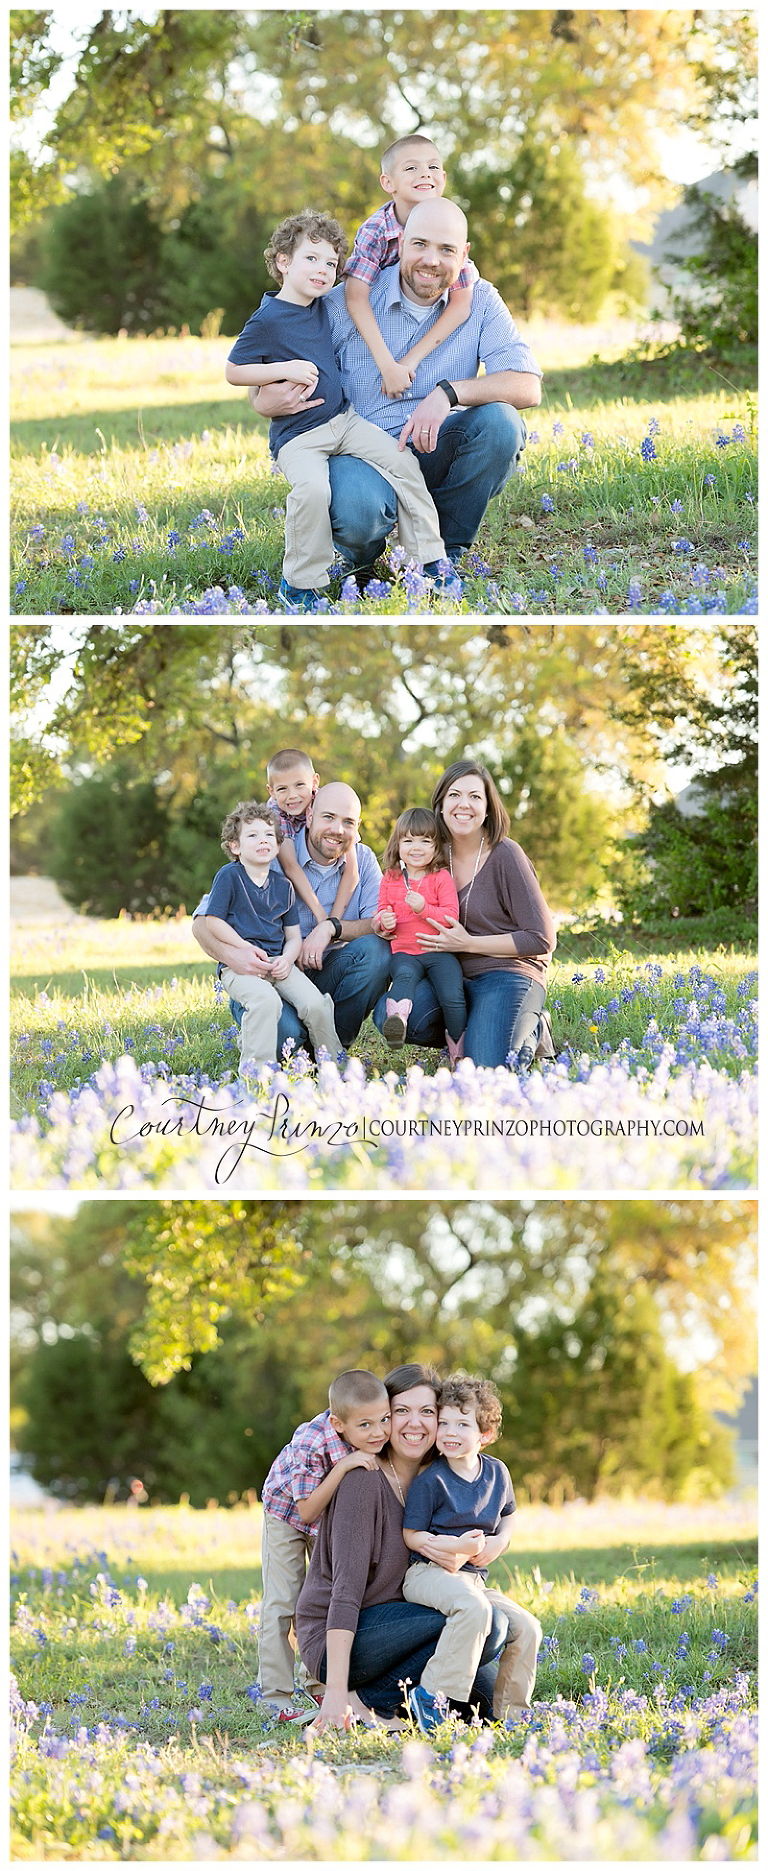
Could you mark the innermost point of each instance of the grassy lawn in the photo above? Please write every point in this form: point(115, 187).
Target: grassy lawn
point(140, 1732)
point(141, 479)
point(96, 990)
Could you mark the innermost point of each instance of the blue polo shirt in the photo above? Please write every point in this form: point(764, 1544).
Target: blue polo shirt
point(439, 1501)
point(260, 913)
point(489, 336)
point(278, 333)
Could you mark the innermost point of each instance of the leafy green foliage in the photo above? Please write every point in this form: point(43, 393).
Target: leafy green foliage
point(716, 301)
point(107, 845)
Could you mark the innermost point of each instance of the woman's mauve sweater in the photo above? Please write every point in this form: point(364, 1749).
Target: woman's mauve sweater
point(505, 899)
point(359, 1558)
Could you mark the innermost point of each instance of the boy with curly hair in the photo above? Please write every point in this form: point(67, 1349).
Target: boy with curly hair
point(462, 1507)
point(289, 337)
point(257, 903)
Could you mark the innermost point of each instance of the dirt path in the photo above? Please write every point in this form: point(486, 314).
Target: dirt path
point(39, 900)
point(33, 322)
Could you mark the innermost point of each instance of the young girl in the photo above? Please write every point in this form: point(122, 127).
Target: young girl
point(416, 885)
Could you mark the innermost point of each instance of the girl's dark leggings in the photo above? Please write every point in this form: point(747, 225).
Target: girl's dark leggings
point(444, 973)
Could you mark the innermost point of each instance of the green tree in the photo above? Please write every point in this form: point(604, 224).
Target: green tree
point(101, 260)
point(538, 235)
point(715, 302)
point(107, 850)
point(598, 1403)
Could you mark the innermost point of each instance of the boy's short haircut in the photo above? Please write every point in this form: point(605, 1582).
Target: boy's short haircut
point(478, 1393)
point(351, 1389)
point(295, 228)
point(288, 757)
point(404, 142)
point(421, 822)
point(243, 814)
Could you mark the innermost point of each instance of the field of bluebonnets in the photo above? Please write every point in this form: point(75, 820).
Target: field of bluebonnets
point(125, 1075)
point(138, 1731)
point(142, 484)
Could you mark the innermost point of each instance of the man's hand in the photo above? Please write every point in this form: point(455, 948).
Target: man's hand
point(396, 378)
point(423, 427)
point(384, 922)
point(415, 901)
point(257, 962)
point(315, 944)
point(282, 399)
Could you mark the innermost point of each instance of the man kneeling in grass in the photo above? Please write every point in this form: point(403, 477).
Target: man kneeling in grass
point(252, 911)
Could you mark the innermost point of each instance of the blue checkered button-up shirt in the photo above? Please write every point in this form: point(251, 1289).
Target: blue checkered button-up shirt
point(489, 336)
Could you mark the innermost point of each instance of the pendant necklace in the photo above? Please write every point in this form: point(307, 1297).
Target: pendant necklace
point(396, 1480)
point(474, 874)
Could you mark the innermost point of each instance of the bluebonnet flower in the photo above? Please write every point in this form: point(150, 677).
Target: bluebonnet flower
point(36, 532)
point(676, 506)
point(653, 426)
point(587, 1664)
point(682, 545)
point(21, 585)
point(141, 513)
point(647, 449)
point(722, 440)
point(590, 555)
point(709, 480)
point(587, 440)
point(738, 433)
point(547, 503)
point(557, 429)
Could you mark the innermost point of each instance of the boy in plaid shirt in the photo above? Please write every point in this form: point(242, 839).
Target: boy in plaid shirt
point(411, 171)
point(302, 1480)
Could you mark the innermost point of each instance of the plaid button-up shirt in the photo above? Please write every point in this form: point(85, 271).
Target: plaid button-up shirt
point(314, 1449)
point(378, 243)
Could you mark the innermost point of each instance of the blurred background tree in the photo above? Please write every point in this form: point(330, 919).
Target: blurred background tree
point(158, 729)
point(194, 1336)
point(550, 123)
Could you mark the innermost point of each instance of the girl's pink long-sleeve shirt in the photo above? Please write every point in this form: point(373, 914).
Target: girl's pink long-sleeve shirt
point(440, 899)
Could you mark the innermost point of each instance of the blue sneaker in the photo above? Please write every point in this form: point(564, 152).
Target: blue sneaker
point(424, 1709)
point(291, 597)
point(445, 578)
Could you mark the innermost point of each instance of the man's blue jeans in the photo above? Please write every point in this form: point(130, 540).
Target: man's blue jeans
point(477, 450)
point(354, 976)
point(503, 1010)
point(394, 1642)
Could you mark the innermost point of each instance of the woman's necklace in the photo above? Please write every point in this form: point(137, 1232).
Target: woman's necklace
point(396, 1480)
point(474, 874)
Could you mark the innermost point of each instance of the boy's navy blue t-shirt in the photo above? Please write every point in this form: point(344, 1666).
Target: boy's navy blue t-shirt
point(439, 1501)
point(280, 332)
point(258, 913)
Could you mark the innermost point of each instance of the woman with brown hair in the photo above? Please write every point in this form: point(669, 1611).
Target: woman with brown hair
point(503, 935)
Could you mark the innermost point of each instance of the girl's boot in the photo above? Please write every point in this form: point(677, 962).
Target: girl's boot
point(455, 1049)
point(396, 1023)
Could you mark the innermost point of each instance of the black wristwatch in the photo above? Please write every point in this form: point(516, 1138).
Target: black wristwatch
point(336, 928)
point(449, 391)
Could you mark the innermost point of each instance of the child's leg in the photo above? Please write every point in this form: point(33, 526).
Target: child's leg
point(444, 972)
point(284, 1552)
point(315, 1009)
point(417, 521)
point(452, 1669)
point(258, 1033)
point(406, 971)
point(517, 1663)
point(308, 536)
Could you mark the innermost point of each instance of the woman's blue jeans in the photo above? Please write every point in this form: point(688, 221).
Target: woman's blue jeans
point(477, 449)
point(502, 1020)
point(394, 1642)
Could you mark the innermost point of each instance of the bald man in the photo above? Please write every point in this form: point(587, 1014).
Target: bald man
point(344, 959)
point(465, 428)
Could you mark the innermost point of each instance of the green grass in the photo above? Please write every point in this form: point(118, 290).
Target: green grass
point(137, 1738)
point(639, 1558)
point(97, 990)
point(151, 424)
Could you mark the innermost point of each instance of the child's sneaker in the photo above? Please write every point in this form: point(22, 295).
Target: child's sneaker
point(296, 1718)
point(293, 598)
point(424, 1709)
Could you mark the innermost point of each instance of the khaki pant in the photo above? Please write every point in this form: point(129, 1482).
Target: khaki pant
point(304, 462)
point(467, 1603)
point(262, 1000)
point(284, 1555)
